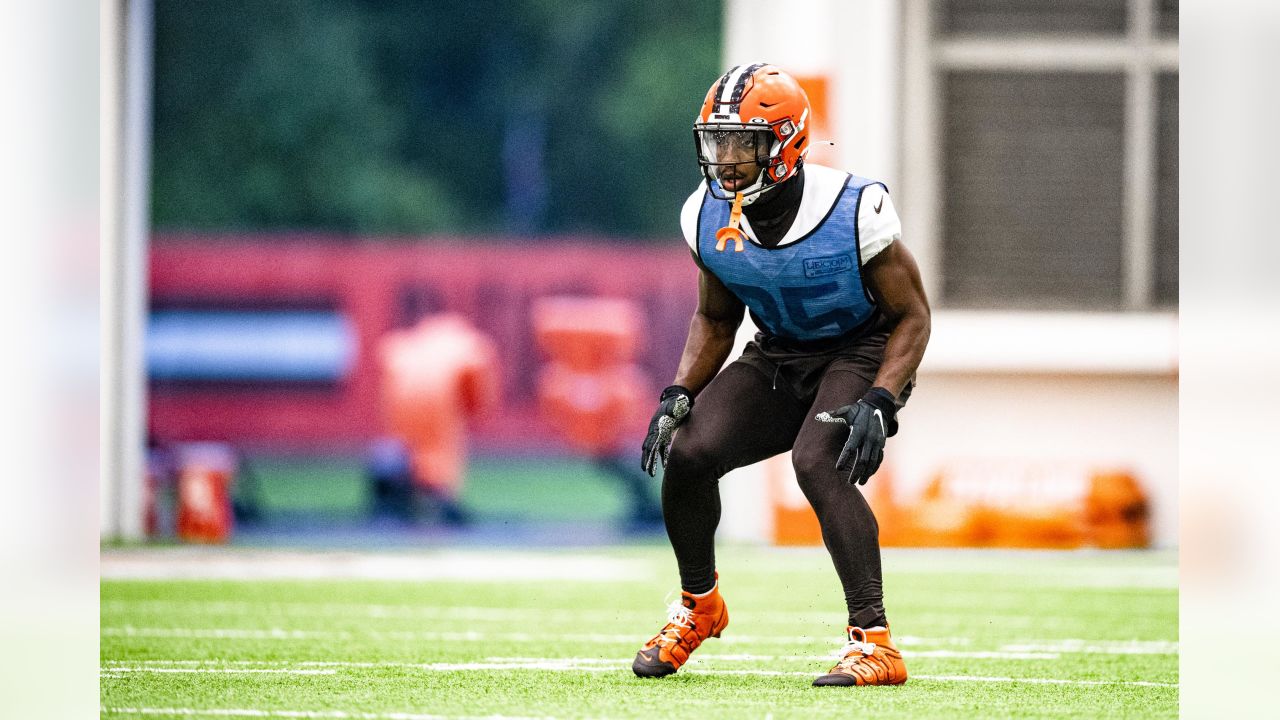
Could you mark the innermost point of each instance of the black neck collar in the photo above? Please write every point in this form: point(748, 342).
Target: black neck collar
point(772, 214)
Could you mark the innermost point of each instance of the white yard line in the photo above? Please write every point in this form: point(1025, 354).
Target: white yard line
point(551, 666)
point(981, 654)
point(306, 714)
point(1121, 647)
point(1042, 681)
point(556, 666)
point(419, 612)
point(1156, 569)
point(213, 563)
point(695, 667)
point(219, 633)
point(707, 657)
point(425, 635)
point(1029, 650)
point(1102, 570)
point(112, 669)
point(143, 665)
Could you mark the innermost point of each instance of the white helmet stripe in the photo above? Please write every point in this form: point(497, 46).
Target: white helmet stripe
point(726, 90)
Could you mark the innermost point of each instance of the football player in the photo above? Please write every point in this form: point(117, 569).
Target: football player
point(815, 255)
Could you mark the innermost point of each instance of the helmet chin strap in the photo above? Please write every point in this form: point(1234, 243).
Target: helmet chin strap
point(756, 189)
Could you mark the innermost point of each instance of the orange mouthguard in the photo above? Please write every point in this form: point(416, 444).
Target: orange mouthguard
point(725, 233)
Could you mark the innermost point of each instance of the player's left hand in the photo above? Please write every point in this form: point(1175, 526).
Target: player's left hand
point(871, 420)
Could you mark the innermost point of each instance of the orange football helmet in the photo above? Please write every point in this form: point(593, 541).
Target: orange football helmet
point(753, 131)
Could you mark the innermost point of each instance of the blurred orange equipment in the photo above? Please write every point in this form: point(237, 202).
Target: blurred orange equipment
point(1017, 504)
point(435, 376)
point(590, 389)
point(205, 474)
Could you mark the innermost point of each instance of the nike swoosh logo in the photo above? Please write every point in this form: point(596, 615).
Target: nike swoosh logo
point(879, 205)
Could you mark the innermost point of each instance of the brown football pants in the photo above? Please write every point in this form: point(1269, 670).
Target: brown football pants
point(744, 416)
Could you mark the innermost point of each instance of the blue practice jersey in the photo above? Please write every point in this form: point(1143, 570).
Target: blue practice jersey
point(807, 289)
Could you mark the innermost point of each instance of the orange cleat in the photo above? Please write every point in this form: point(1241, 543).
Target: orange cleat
point(689, 623)
point(868, 658)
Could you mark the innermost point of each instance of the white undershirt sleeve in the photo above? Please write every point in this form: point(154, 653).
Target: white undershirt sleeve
point(689, 218)
point(878, 222)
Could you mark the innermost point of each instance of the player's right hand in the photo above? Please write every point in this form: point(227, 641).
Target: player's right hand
point(674, 406)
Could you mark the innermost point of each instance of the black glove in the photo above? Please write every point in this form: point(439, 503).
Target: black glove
point(674, 408)
point(870, 421)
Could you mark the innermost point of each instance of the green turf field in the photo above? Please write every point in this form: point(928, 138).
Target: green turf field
point(552, 488)
point(985, 635)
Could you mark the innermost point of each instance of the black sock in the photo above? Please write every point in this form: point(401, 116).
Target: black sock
point(698, 585)
point(870, 616)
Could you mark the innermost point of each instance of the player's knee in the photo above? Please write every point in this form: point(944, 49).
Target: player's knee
point(689, 459)
point(813, 468)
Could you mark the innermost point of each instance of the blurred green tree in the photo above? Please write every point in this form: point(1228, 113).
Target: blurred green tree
point(407, 118)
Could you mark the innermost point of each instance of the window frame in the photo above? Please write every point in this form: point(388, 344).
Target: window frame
point(1141, 54)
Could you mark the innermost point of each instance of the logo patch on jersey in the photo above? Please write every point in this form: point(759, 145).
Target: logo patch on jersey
point(829, 265)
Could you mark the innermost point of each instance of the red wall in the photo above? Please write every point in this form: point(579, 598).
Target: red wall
point(491, 282)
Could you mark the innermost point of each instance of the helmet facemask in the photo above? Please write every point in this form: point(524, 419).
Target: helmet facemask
point(740, 158)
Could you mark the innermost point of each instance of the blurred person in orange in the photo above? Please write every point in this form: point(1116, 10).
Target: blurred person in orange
point(436, 376)
point(815, 254)
point(590, 390)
